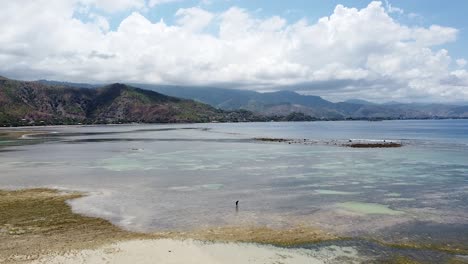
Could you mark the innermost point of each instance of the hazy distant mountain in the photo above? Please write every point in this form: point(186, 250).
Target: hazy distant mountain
point(38, 103)
point(359, 101)
point(71, 84)
point(287, 102)
point(280, 103)
point(284, 103)
point(235, 99)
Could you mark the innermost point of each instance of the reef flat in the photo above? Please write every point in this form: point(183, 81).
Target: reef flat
point(352, 143)
point(38, 225)
point(38, 221)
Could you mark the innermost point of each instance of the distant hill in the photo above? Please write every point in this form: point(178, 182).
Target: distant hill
point(283, 103)
point(28, 103)
point(359, 101)
point(71, 84)
point(232, 98)
point(279, 105)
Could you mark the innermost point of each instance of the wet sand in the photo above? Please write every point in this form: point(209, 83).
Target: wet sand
point(16, 134)
point(38, 223)
point(189, 251)
point(38, 226)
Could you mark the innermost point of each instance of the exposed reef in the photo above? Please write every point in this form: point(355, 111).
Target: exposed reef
point(295, 236)
point(38, 222)
point(375, 145)
point(352, 143)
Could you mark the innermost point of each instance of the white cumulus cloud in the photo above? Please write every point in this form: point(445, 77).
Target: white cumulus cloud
point(461, 63)
point(350, 53)
point(152, 3)
point(114, 5)
point(194, 19)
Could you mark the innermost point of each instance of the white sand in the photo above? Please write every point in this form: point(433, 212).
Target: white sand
point(168, 251)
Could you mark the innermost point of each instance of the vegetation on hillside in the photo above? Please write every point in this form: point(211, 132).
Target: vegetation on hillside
point(36, 103)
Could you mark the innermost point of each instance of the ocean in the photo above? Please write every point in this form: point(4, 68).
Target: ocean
point(153, 178)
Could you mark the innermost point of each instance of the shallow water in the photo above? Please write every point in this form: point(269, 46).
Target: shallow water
point(160, 177)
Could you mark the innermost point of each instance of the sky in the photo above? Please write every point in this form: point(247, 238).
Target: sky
point(394, 50)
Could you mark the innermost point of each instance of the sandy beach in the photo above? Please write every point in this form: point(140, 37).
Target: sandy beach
point(38, 226)
point(166, 251)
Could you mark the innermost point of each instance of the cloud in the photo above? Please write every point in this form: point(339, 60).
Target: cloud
point(393, 9)
point(351, 53)
point(113, 5)
point(461, 63)
point(194, 19)
point(152, 3)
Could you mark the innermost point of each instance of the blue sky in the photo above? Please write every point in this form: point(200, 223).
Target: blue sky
point(416, 12)
point(414, 51)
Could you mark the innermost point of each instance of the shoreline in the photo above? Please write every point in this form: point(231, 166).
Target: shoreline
point(35, 222)
point(98, 235)
point(6, 127)
point(38, 226)
point(39, 222)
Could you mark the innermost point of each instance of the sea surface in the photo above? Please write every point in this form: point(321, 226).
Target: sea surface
point(180, 177)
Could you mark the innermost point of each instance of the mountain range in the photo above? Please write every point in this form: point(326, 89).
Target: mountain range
point(33, 103)
point(283, 103)
point(51, 102)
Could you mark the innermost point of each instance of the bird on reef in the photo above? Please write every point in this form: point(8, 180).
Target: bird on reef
point(237, 203)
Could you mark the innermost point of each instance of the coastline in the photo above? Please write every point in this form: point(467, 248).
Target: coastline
point(71, 237)
point(39, 223)
point(35, 222)
point(11, 126)
point(169, 251)
point(38, 226)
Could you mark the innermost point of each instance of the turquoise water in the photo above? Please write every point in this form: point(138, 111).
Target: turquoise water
point(162, 177)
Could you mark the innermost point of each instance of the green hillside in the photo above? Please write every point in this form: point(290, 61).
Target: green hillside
point(35, 103)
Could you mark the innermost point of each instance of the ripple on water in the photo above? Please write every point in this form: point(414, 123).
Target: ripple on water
point(120, 164)
point(332, 192)
point(400, 199)
point(213, 186)
point(368, 208)
point(393, 194)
